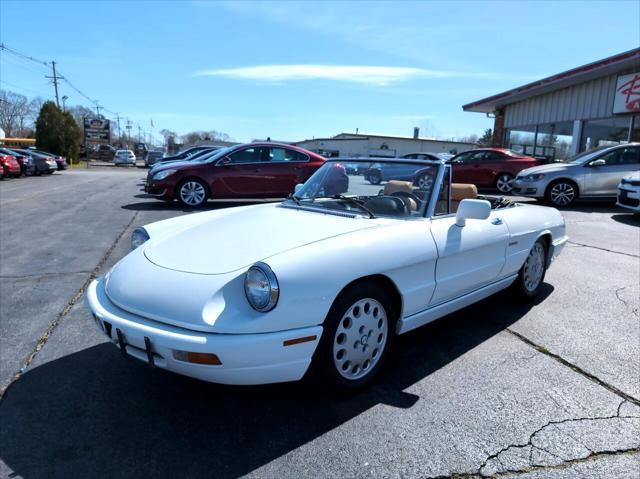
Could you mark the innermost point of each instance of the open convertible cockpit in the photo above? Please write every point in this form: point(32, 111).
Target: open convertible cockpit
point(388, 188)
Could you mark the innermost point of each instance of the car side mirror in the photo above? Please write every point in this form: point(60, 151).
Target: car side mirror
point(598, 163)
point(297, 188)
point(472, 210)
point(225, 161)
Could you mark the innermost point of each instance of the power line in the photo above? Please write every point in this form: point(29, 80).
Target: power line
point(13, 85)
point(58, 77)
point(23, 55)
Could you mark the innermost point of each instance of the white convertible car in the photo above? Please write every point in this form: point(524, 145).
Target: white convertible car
point(324, 280)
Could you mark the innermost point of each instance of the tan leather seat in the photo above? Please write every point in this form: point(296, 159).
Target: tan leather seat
point(462, 191)
point(395, 186)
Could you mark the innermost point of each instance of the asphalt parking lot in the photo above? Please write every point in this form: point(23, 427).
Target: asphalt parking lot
point(550, 389)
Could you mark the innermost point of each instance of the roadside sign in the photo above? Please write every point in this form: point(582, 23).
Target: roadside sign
point(96, 130)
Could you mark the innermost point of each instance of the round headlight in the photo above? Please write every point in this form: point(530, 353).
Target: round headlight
point(261, 287)
point(138, 237)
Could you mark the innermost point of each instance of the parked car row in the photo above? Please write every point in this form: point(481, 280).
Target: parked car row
point(29, 162)
point(594, 174)
point(190, 154)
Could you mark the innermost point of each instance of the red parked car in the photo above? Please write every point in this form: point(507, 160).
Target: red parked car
point(490, 167)
point(253, 170)
point(10, 166)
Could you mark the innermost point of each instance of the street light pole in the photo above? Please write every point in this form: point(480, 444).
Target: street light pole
point(64, 102)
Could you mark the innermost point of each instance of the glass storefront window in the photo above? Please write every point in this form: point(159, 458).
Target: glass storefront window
point(554, 140)
point(521, 138)
point(635, 132)
point(610, 131)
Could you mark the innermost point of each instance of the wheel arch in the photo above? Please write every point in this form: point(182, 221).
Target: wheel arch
point(547, 237)
point(381, 280)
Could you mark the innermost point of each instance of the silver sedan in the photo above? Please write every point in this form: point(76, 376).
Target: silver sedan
point(592, 174)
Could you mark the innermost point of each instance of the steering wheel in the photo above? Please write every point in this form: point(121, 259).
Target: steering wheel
point(405, 196)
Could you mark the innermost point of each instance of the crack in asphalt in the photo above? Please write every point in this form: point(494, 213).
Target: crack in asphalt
point(42, 340)
point(575, 368)
point(479, 473)
point(602, 249)
point(634, 311)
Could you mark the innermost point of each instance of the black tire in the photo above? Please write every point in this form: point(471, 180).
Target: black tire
point(201, 195)
point(523, 285)
point(374, 178)
point(504, 183)
point(326, 357)
point(561, 193)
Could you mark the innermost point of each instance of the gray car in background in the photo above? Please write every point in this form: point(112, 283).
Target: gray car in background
point(152, 157)
point(592, 174)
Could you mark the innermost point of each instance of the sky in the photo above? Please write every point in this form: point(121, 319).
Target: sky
point(290, 71)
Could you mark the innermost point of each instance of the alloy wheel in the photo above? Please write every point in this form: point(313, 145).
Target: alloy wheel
point(360, 338)
point(534, 267)
point(562, 194)
point(425, 182)
point(192, 193)
point(504, 183)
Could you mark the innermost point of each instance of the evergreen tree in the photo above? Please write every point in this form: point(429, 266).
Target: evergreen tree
point(485, 139)
point(57, 132)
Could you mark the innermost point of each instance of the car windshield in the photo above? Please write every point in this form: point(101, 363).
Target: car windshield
point(585, 155)
point(392, 188)
point(214, 155)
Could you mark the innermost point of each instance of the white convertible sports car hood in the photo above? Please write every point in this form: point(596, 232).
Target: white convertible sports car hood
point(228, 242)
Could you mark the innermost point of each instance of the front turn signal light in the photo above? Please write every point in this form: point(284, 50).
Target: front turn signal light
point(197, 358)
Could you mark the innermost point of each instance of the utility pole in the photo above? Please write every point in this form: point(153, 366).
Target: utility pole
point(128, 131)
point(119, 131)
point(55, 79)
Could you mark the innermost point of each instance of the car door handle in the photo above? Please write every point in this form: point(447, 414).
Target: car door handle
point(496, 221)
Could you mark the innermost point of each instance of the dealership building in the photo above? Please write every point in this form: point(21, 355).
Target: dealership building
point(380, 146)
point(567, 113)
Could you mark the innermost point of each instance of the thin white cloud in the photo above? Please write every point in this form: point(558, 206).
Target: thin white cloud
point(412, 117)
point(364, 75)
point(367, 75)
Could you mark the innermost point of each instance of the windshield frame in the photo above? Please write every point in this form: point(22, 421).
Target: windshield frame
point(427, 210)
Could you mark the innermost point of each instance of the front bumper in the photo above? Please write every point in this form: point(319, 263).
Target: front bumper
point(246, 358)
point(629, 198)
point(158, 188)
point(533, 189)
